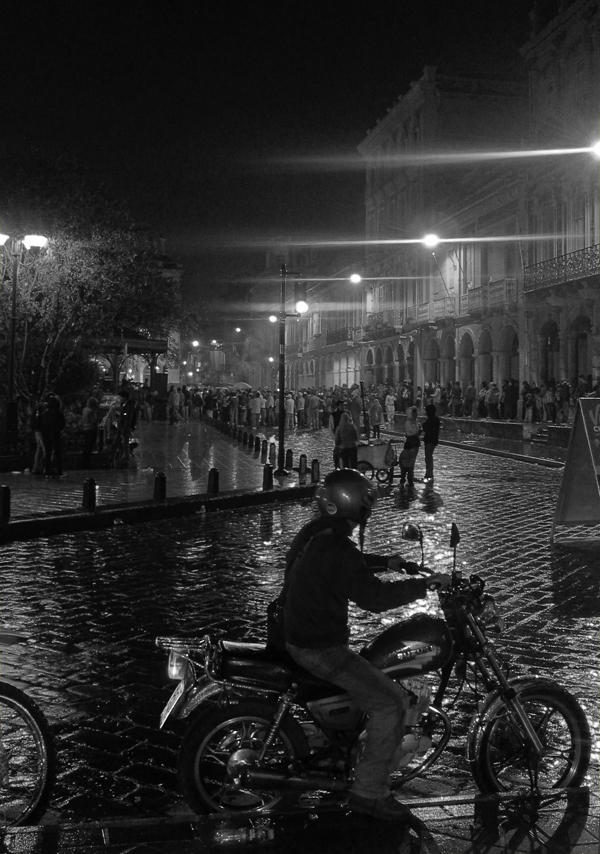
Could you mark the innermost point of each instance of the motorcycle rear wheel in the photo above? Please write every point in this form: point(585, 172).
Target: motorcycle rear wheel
point(500, 756)
point(216, 741)
point(27, 759)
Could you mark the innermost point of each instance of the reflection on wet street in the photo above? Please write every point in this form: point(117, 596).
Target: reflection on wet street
point(93, 603)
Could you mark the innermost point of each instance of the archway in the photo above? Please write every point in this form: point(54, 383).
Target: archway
point(402, 366)
point(580, 350)
point(484, 357)
point(431, 361)
point(378, 376)
point(466, 360)
point(448, 366)
point(508, 356)
point(389, 366)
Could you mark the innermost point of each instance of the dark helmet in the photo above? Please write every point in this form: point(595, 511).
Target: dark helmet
point(347, 494)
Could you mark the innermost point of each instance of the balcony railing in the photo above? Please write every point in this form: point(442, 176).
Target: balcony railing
point(562, 269)
point(337, 336)
point(444, 308)
point(502, 292)
point(293, 349)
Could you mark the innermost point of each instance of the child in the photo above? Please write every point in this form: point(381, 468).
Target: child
point(407, 460)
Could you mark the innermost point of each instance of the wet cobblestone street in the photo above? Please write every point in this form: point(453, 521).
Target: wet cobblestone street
point(93, 604)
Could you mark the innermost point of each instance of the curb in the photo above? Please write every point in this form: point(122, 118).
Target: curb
point(68, 522)
point(492, 452)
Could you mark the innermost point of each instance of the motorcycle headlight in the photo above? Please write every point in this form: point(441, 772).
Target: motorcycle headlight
point(489, 615)
point(178, 665)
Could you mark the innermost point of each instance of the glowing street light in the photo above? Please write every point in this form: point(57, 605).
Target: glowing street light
point(430, 240)
point(596, 149)
point(356, 278)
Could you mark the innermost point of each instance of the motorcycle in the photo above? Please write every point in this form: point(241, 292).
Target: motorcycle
point(27, 754)
point(261, 730)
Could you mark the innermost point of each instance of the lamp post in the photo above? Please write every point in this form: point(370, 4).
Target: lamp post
point(18, 246)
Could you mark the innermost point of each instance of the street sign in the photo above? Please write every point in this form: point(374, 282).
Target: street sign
point(579, 496)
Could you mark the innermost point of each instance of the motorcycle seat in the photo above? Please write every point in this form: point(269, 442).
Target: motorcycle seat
point(254, 664)
point(257, 664)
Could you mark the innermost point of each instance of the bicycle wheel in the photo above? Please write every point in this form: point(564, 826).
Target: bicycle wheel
point(365, 468)
point(27, 759)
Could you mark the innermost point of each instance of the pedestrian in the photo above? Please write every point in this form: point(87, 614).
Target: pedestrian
point(173, 405)
point(313, 410)
point(390, 408)
point(36, 426)
point(52, 422)
point(355, 409)
point(456, 396)
point(492, 399)
point(89, 426)
point(325, 571)
point(334, 421)
point(550, 402)
point(468, 400)
point(126, 424)
point(407, 460)
point(431, 435)
point(346, 438)
point(290, 407)
point(412, 426)
point(300, 407)
point(376, 417)
point(481, 404)
point(255, 407)
point(564, 402)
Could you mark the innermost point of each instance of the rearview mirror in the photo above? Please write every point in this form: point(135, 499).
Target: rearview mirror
point(410, 531)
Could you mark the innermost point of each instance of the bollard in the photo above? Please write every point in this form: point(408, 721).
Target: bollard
point(303, 465)
point(89, 495)
point(267, 477)
point(263, 448)
point(272, 452)
point(213, 481)
point(160, 486)
point(289, 459)
point(245, 438)
point(5, 504)
point(315, 472)
point(257, 444)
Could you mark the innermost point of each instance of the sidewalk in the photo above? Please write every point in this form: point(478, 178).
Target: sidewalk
point(187, 452)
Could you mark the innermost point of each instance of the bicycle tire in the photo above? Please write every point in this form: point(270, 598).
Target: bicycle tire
point(27, 759)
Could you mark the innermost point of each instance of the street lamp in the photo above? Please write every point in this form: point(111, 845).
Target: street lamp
point(18, 248)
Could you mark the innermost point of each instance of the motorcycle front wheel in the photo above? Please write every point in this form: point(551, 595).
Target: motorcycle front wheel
point(500, 755)
point(219, 743)
point(27, 759)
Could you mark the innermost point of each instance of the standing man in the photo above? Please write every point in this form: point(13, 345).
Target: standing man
point(431, 436)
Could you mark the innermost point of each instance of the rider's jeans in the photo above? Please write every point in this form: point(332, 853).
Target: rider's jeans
point(382, 699)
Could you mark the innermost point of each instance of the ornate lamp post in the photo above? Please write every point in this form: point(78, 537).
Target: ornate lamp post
point(18, 247)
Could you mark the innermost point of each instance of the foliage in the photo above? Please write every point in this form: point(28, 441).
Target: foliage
point(98, 276)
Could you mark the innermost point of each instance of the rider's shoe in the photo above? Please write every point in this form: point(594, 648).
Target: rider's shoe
point(387, 809)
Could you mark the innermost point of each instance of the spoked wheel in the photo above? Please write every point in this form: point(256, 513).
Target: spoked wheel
point(365, 468)
point(217, 747)
point(501, 757)
point(27, 759)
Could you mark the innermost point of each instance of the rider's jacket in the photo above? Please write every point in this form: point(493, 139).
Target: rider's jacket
point(329, 573)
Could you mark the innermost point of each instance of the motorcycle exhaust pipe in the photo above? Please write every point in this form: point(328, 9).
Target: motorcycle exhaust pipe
point(252, 779)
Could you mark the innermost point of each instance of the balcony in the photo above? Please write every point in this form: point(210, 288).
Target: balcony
point(575, 266)
point(293, 349)
point(502, 293)
point(338, 336)
point(445, 307)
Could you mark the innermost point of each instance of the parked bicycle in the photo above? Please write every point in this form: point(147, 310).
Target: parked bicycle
point(27, 753)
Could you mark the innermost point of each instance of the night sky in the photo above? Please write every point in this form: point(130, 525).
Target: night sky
point(186, 107)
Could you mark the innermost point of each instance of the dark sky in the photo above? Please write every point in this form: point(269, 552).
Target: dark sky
point(179, 102)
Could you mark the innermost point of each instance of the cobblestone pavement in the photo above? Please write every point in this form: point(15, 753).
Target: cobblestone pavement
point(93, 603)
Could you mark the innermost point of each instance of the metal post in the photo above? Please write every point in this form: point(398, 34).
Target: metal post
point(281, 471)
point(12, 420)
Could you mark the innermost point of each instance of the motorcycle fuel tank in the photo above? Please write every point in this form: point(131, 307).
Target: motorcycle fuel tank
point(417, 645)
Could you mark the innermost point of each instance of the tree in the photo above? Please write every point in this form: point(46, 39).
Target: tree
point(98, 275)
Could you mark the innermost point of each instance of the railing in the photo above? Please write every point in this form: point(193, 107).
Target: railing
point(463, 305)
point(293, 349)
point(336, 336)
point(562, 269)
point(411, 314)
point(476, 300)
point(424, 312)
point(502, 292)
point(444, 307)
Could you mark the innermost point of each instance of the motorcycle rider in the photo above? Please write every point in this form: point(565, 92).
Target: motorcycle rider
point(325, 572)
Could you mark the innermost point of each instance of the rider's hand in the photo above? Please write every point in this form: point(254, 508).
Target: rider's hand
point(398, 564)
point(438, 581)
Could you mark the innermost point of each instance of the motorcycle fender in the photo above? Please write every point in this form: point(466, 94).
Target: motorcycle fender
point(490, 706)
point(201, 692)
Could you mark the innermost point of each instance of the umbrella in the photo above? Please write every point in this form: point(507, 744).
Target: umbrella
point(242, 385)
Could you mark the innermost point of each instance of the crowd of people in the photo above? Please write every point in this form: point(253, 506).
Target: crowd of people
point(346, 412)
